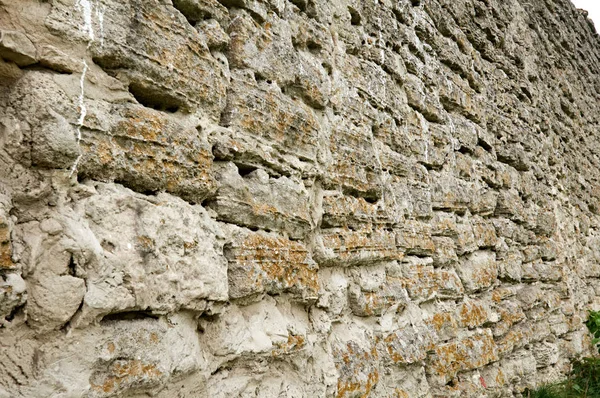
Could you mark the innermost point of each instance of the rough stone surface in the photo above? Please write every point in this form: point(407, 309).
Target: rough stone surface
point(296, 198)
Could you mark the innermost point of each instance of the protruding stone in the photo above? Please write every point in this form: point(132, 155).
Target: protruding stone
point(16, 47)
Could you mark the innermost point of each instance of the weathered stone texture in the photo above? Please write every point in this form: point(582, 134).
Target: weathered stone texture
point(296, 198)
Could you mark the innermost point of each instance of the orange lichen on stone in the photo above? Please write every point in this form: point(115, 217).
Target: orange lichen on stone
point(398, 393)
point(357, 369)
point(269, 115)
point(424, 281)
point(376, 302)
point(409, 345)
point(472, 314)
point(261, 263)
point(146, 148)
point(293, 344)
point(515, 337)
point(464, 354)
point(415, 238)
point(342, 210)
point(359, 247)
point(123, 373)
point(501, 293)
point(441, 320)
point(145, 243)
point(5, 247)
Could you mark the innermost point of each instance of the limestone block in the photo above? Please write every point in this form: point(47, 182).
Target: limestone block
point(344, 247)
point(374, 302)
point(356, 361)
point(265, 116)
point(147, 150)
point(45, 291)
point(445, 251)
point(463, 354)
point(425, 282)
point(267, 328)
point(510, 205)
point(13, 293)
point(16, 47)
point(264, 263)
point(354, 165)
point(478, 271)
point(173, 69)
point(409, 344)
point(157, 255)
point(342, 210)
point(449, 193)
point(257, 201)
point(415, 238)
point(119, 357)
point(51, 115)
point(545, 354)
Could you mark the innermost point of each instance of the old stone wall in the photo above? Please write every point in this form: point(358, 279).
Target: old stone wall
point(296, 198)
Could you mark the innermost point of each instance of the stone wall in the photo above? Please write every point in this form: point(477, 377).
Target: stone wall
point(296, 198)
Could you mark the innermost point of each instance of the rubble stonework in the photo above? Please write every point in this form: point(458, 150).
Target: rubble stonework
point(296, 198)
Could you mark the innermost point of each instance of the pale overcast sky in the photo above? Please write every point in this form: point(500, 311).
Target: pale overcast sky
point(593, 7)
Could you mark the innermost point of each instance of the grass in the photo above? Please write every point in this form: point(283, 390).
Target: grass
point(584, 380)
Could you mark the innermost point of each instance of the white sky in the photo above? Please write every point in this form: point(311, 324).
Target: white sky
point(593, 7)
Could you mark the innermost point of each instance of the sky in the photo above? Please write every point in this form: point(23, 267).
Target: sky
point(593, 7)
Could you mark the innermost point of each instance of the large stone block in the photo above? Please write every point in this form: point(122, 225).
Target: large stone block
point(356, 361)
point(263, 263)
point(146, 150)
point(345, 247)
point(16, 47)
point(267, 128)
point(464, 354)
point(118, 357)
point(355, 166)
point(424, 282)
point(255, 200)
point(478, 271)
point(158, 255)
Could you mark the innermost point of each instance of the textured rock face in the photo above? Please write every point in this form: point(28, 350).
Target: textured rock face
point(296, 198)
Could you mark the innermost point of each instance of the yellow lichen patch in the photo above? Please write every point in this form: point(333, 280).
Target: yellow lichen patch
point(464, 354)
point(357, 369)
point(409, 345)
point(398, 393)
point(357, 247)
point(472, 314)
point(501, 293)
point(5, 247)
point(145, 148)
point(123, 373)
point(143, 124)
point(145, 243)
point(515, 337)
point(294, 343)
point(273, 265)
point(444, 323)
point(424, 281)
